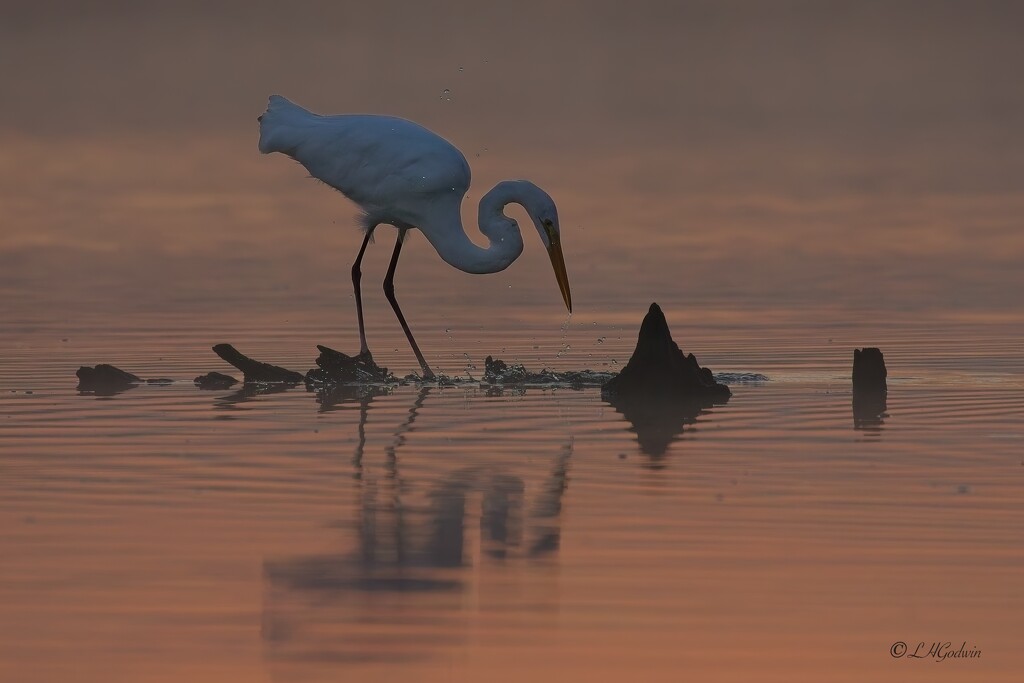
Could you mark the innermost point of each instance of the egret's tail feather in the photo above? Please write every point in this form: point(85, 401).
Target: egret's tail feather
point(280, 125)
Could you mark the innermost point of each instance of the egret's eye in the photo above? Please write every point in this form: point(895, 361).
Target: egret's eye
point(549, 229)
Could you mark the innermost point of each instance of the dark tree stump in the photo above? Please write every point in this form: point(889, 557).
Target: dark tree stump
point(105, 379)
point(215, 380)
point(658, 369)
point(869, 371)
point(255, 371)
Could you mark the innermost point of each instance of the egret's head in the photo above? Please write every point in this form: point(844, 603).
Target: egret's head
point(545, 218)
point(542, 211)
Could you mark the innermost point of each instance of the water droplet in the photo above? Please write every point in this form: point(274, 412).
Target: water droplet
point(460, 69)
point(446, 95)
point(614, 362)
point(448, 330)
point(600, 340)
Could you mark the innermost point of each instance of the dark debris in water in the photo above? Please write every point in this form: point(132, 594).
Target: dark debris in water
point(337, 370)
point(734, 378)
point(254, 370)
point(500, 373)
point(108, 380)
point(215, 380)
point(105, 379)
point(335, 367)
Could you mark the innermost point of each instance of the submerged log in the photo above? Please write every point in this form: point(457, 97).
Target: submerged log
point(336, 367)
point(105, 379)
point(658, 369)
point(255, 371)
point(869, 371)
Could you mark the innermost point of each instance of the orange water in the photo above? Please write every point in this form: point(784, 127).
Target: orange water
point(168, 533)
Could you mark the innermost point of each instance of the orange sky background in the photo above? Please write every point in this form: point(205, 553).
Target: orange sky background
point(748, 155)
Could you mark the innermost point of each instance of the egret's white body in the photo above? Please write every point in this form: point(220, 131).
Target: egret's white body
point(404, 175)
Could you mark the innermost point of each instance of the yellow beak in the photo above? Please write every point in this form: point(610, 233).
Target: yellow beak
point(558, 263)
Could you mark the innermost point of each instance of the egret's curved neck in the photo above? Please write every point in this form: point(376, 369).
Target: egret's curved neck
point(506, 241)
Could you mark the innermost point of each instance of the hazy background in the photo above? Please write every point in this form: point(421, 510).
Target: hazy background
point(761, 156)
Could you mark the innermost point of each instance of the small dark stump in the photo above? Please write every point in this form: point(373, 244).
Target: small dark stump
point(869, 371)
point(336, 367)
point(215, 380)
point(658, 369)
point(869, 388)
point(105, 379)
point(255, 371)
point(869, 409)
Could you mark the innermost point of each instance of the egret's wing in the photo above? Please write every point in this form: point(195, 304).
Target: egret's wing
point(387, 165)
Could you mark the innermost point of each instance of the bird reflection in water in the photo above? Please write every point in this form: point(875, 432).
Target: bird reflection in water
point(329, 399)
point(657, 423)
point(407, 588)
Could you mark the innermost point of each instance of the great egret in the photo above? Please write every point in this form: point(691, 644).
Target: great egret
point(403, 175)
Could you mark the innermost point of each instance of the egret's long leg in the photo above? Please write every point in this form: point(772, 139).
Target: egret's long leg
point(357, 274)
point(389, 292)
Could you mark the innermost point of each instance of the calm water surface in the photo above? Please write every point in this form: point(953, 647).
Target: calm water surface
point(466, 533)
